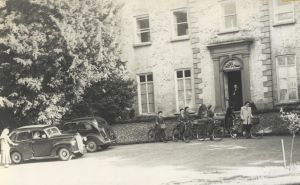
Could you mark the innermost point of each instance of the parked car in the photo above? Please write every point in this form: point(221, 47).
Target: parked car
point(44, 141)
point(97, 131)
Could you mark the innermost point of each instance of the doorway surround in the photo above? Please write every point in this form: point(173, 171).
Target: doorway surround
point(222, 53)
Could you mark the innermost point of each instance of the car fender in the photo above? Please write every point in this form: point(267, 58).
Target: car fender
point(59, 146)
point(99, 139)
point(25, 156)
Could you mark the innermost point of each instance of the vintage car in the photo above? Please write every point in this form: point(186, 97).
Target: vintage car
point(96, 130)
point(44, 141)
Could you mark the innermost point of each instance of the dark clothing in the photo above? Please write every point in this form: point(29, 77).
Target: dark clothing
point(247, 130)
point(183, 120)
point(210, 123)
point(160, 128)
point(202, 111)
point(236, 99)
point(229, 117)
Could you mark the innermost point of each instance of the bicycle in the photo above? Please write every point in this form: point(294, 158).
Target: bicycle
point(236, 131)
point(185, 136)
point(153, 136)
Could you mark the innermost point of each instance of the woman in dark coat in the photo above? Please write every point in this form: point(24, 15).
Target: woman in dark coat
point(183, 119)
point(160, 127)
point(210, 122)
point(229, 117)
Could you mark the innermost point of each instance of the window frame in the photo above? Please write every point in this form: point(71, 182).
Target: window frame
point(18, 134)
point(277, 11)
point(147, 94)
point(184, 86)
point(174, 24)
point(138, 40)
point(224, 16)
point(278, 78)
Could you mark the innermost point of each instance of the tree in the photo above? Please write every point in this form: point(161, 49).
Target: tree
point(107, 98)
point(51, 51)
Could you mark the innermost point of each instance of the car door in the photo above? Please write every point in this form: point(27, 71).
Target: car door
point(24, 141)
point(41, 145)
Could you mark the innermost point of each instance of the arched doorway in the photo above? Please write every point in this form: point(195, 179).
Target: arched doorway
point(233, 84)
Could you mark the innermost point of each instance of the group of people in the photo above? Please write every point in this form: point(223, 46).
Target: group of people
point(207, 112)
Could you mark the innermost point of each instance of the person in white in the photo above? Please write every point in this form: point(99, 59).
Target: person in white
point(246, 115)
point(5, 148)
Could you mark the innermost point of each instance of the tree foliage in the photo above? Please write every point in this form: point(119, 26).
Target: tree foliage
point(108, 98)
point(51, 51)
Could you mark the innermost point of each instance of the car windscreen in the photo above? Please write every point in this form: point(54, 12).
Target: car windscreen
point(52, 131)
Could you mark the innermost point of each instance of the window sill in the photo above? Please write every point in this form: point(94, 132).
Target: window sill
point(287, 103)
point(178, 39)
point(142, 44)
point(288, 22)
point(228, 31)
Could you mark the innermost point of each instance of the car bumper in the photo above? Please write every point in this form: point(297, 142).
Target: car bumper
point(82, 151)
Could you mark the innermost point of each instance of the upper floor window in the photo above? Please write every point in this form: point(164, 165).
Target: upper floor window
point(143, 29)
point(229, 14)
point(146, 93)
point(287, 78)
point(283, 11)
point(181, 27)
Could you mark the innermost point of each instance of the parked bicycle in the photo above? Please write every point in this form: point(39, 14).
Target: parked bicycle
point(154, 136)
point(257, 131)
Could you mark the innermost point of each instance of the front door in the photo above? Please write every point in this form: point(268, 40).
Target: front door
point(41, 144)
point(234, 90)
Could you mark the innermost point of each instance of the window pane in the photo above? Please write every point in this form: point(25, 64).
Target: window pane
point(283, 84)
point(181, 104)
point(188, 84)
point(292, 94)
point(150, 87)
point(182, 29)
point(179, 74)
point(144, 36)
point(188, 94)
point(142, 78)
point(180, 96)
point(189, 102)
point(151, 107)
point(143, 88)
point(280, 60)
point(292, 83)
point(291, 71)
point(229, 8)
point(282, 2)
point(290, 59)
point(187, 73)
point(180, 84)
point(151, 98)
point(24, 136)
point(180, 16)
point(282, 72)
point(283, 94)
point(230, 21)
point(143, 23)
point(144, 108)
point(150, 78)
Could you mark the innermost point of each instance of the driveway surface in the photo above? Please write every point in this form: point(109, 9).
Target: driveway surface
point(244, 161)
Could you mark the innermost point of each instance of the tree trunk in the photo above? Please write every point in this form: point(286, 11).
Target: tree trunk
point(291, 154)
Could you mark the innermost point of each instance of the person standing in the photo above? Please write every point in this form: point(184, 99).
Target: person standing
point(5, 148)
point(160, 127)
point(236, 98)
point(210, 122)
point(229, 117)
point(246, 115)
point(182, 118)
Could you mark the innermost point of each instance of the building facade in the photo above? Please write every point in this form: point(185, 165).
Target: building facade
point(219, 52)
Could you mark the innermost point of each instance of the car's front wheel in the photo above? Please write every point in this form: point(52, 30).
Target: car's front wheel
point(91, 146)
point(16, 157)
point(64, 154)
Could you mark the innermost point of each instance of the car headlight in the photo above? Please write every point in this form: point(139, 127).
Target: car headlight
point(73, 142)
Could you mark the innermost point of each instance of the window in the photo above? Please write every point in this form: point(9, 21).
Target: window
point(287, 78)
point(143, 29)
point(24, 136)
point(146, 93)
point(70, 127)
point(229, 14)
point(180, 23)
point(184, 88)
point(283, 11)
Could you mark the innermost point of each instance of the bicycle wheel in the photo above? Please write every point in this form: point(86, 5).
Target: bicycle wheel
point(218, 133)
point(151, 135)
point(187, 135)
point(175, 134)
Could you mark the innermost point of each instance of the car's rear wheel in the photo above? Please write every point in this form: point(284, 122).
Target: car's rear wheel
point(91, 146)
point(16, 157)
point(64, 154)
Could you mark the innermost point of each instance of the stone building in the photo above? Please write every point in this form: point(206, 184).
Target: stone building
point(188, 52)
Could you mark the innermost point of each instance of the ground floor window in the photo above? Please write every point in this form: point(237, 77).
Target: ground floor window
point(287, 78)
point(183, 88)
point(146, 93)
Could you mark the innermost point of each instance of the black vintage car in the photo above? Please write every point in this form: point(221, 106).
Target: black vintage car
point(44, 141)
point(96, 130)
